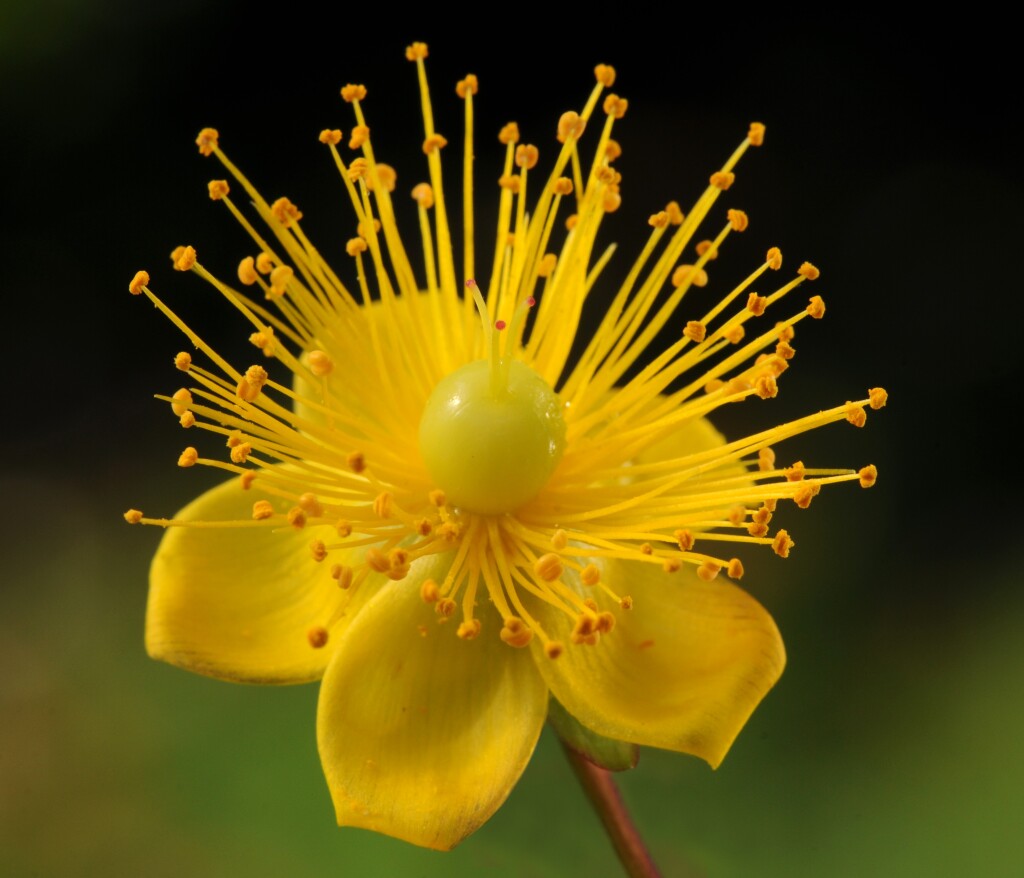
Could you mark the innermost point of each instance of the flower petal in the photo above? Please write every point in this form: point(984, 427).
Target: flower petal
point(423, 735)
point(683, 670)
point(237, 603)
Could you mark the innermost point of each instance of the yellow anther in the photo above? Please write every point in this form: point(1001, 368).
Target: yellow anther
point(611, 202)
point(319, 363)
point(626, 602)
point(526, 156)
point(590, 575)
point(281, 276)
point(770, 504)
point(264, 263)
point(605, 74)
point(217, 189)
point(868, 476)
point(398, 557)
point(608, 175)
point(766, 387)
point(762, 515)
point(424, 527)
point(318, 550)
point(737, 515)
point(437, 497)
point(140, 280)
point(675, 213)
point(689, 274)
point(684, 538)
point(358, 136)
point(188, 457)
point(343, 527)
point(878, 397)
point(735, 569)
point(317, 636)
point(695, 331)
point(509, 181)
point(350, 93)
point(247, 478)
point(658, 220)
point(735, 333)
point(615, 106)
point(774, 259)
point(548, 567)
point(256, 376)
point(378, 560)
point(363, 230)
point(183, 258)
point(738, 220)
point(444, 608)
point(807, 492)
point(331, 135)
point(809, 271)
point(382, 505)
point(786, 332)
point(559, 540)
point(469, 629)
point(856, 415)
point(612, 150)
point(343, 574)
point(467, 86)
point(755, 135)
point(796, 472)
point(449, 531)
point(509, 133)
point(398, 572)
point(285, 211)
point(571, 220)
point(757, 529)
point(429, 591)
point(183, 362)
point(570, 124)
point(671, 565)
point(646, 549)
point(707, 247)
point(297, 517)
point(584, 630)
point(722, 179)
point(240, 453)
point(562, 186)
point(355, 246)
point(434, 142)
point(782, 544)
point(133, 516)
point(553, 649)
point(265, 341)
point(423, 194)
point(187, 420)
point(387, 175)
point(785, 350)
point(816, 307)
point(234, 438)
point(207, 141)
point(262, 509)
point(311, 505)
point(515, 632)
point(708, 570)
point(416, 52)
point(182, 398)
point(546, 266)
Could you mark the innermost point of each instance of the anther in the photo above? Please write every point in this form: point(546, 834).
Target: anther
point(207, 141)
point(285, 212)
point(217, 189)
point(708, 570)
point(737, 515)
point(317, 636)
point(766, 387)
point(722, 179)
point(437, 497)
point(611, 201)
point(331, 135)
point(318, 550)
point(605, 74)
point(183, 361)
point(343, 574)
point(469, 629)
point(671, 565)
point(133, 516)
point(738, 220)
point(311, 504)
point(140, 280)
point(685, 539)
point(646, 549)
point(559, 540)
point(416, 52)
point(675, 213)
point(816, 307)
point(698, 277)
point(510, 182)
point(706, 247)
point(423, 195)
point(562, 186)
point(378, 560)
point(356, 461)
point(806, 494)
point(429, 591)
point(183, 258)
point(782, 544)
point(695, 331)
point(735, 569)
point(387, 176)
point(358, 136)
point(765, 459)
point(808, 271)
point(350, 93)
point(658, 220)
point(424, 527)
point(264, 262)
point(509, 134)
point(570, 124)
point(774, 259)
point(526, 156)
point(785, 350)
point(547, 265)
point(757, 529)
point(466, 86)
point(626, 602)
point(188, 457)
point(735, 334)
point(856, 415)
point(548, 567)
point(363, 230)
point(612, 150)
point(786, 332)
point(434, 142)
point(515, 632)
point(343, 527)
point(382, 505)
point(878, 397)
point(187, 420)
point(319, 363)
point(247, 478)
point(756, 133)
point(297, 517)
point(444, 608)
point(261, 510)
point(182, 398)
point(553, 649)
point(590, 575)
point(796, 472)
point(615, 106)
point(868, 476)
point(355, 246)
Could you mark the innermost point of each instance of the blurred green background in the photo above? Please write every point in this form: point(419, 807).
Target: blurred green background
point(892, 745)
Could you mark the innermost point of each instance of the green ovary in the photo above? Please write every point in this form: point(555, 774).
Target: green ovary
point(491, 445)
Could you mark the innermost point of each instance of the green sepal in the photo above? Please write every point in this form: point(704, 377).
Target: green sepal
point(607, 753)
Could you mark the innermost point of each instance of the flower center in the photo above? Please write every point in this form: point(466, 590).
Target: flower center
point(491, 435)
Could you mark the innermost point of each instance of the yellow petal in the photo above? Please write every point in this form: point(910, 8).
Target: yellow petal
point(683, 670)
point(423, 736)
point(238, 603)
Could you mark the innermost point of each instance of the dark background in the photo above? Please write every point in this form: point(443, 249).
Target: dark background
point(892, 744)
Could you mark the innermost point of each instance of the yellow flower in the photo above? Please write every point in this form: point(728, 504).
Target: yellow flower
point(445, 512)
